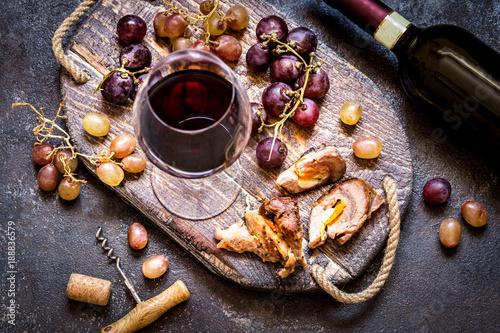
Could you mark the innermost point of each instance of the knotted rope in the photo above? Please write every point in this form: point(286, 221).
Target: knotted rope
point(78, 74)
point(321, 276)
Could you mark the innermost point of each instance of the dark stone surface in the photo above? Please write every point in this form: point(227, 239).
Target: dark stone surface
point(430, 288)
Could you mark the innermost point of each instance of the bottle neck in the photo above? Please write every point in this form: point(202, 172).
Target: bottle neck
point(374, 17)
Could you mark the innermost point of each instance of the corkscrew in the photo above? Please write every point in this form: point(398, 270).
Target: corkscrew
point(145, 312)
point(109, 254)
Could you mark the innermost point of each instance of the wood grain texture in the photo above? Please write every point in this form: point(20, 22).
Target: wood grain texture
point(95, 47)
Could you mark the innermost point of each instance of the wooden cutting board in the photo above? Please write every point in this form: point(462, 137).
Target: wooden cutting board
point(95, 48)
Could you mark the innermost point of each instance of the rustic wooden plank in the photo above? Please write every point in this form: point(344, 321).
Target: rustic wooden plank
point(95, 47)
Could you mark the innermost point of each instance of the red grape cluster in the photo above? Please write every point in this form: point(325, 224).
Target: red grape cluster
point(121, 83)
point(54, 161)
point(296, 81)
point(178, 25)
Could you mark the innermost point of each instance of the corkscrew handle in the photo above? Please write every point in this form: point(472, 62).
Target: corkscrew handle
point(148, 311)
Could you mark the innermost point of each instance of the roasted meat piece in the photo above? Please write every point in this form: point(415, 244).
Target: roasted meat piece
point(284, 212)
point(342, 211)
point(315, 168)
point(274, 233)
point(236, 238)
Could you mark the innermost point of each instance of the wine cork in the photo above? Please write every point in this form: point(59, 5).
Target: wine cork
point(88, 289)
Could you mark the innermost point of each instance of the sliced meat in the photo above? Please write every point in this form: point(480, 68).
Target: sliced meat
point(274, 233)
point(360, 202)
point(316, 168)
point(284, 212)
point(236, 238)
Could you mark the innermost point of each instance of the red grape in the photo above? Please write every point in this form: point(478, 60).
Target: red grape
point(228, 48)
point(206, 7)
point(237, 17)
point(436, 190)
point(155, 266)
point(474, 213)
point(48, 177)
point(307, 117)
point(305, 40)
point(123, 145)
point(135, 57)
point(137, 236)
point(275, 98)
point(131, 29)
point(273, 147)
point(117, 87)
point(134, 163)
point(41, 153)
point(199, 45)
point(272, 24)
point(318, 83)
point(258, 57)
point(68, 157)
point(171, 26)
point(286, 68)
point(256, 122)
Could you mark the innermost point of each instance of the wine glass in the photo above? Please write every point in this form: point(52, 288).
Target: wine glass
point(193, 120)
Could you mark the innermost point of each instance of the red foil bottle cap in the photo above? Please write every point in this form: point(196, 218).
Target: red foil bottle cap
point(367, 14)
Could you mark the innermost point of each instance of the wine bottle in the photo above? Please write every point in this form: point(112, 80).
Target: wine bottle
point(442, 65)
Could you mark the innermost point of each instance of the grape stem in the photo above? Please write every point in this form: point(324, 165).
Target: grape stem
point(196, 18)
point(45, 129)
point(297, 96)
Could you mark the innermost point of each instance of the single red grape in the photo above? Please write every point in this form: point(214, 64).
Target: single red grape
point(258, 57)
point(318, 83)
point(199, 45)
point(135, 57)
point(271, 152)
point(275, 98)
point(436, 190)
point(474, 213)
point(131, 29)
point(305, 40)
point(228, 48)
point(41, 153)
point(48, 177)
point(65, 155)
point(308, 116)
point(272, 24)
point(171, 26)
point(117, 87)
point(286, 68)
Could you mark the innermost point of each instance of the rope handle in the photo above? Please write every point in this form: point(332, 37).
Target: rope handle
point(76, 72)
point(321, 276)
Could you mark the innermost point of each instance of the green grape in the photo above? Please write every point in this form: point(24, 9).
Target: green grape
point(96, 124)
point(110, 173)
point(214, 25)
point(69, 189)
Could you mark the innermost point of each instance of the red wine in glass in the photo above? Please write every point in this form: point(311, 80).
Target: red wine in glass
point(193, 121)
point(195, 128)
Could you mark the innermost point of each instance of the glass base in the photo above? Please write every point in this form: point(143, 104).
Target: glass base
point(197, 199)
